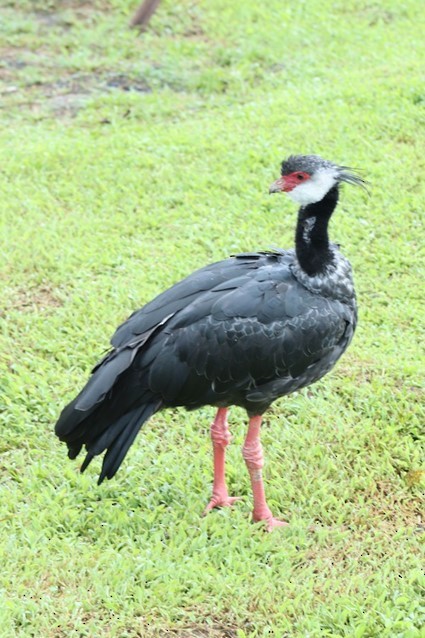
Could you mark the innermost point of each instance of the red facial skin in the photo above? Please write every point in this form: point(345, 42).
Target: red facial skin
point(286, 183)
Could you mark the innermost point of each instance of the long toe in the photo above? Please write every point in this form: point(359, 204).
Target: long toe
point(275, 522)
point(270, 522)
point(221, 501)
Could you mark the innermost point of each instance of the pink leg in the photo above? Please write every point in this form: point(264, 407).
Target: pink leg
point(220, 436)
point(253, 455)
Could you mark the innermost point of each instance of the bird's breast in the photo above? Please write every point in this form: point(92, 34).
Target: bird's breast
point(335, 283)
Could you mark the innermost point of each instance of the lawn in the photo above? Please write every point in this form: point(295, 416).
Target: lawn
point(127, 160)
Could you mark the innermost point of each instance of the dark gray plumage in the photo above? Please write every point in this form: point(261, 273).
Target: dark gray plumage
point(243, 331)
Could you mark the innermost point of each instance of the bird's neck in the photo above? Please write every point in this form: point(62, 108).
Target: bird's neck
point(311, 238)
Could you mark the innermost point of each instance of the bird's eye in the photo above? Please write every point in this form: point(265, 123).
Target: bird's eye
point(300, 176)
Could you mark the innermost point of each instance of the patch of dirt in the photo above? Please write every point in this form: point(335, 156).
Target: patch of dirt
point(390, 511)
point(11, 63)
point(50, 19)
point(8, 60)
point(38, 298)
point(198, 631)
point(67, 105)
point(67, 96)
point(128, 84)
point(59, 92)
point(374, 14)
point(52, 16)
point(189, 631)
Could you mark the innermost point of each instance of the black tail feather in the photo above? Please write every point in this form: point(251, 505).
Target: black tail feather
point(87, 461)
point(74, 450)
point(95, 395)
point(115, 437)
point(119, 448)
point(109, 411)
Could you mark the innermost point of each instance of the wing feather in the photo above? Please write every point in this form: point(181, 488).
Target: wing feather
point(239, 324)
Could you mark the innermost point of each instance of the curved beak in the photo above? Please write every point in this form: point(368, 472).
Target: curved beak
point(278, 186)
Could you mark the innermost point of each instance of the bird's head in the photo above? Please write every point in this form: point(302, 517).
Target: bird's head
point(307, 178)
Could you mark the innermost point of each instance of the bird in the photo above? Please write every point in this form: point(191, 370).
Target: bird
point(243, 331)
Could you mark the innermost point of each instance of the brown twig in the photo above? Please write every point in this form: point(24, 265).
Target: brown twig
point(144, 13)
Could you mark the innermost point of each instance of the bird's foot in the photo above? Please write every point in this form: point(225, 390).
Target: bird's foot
point(270, 521)
point(221, 499)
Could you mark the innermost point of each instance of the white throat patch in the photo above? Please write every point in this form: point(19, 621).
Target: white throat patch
point(314, 189)
point(308, 225)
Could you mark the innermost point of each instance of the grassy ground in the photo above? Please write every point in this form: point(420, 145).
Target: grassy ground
point(126, 162)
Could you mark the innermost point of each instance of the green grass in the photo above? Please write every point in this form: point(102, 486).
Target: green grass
point(126, 162)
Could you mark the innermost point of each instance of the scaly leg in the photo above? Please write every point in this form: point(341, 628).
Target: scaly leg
point(253, 455)
point(220, 436)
